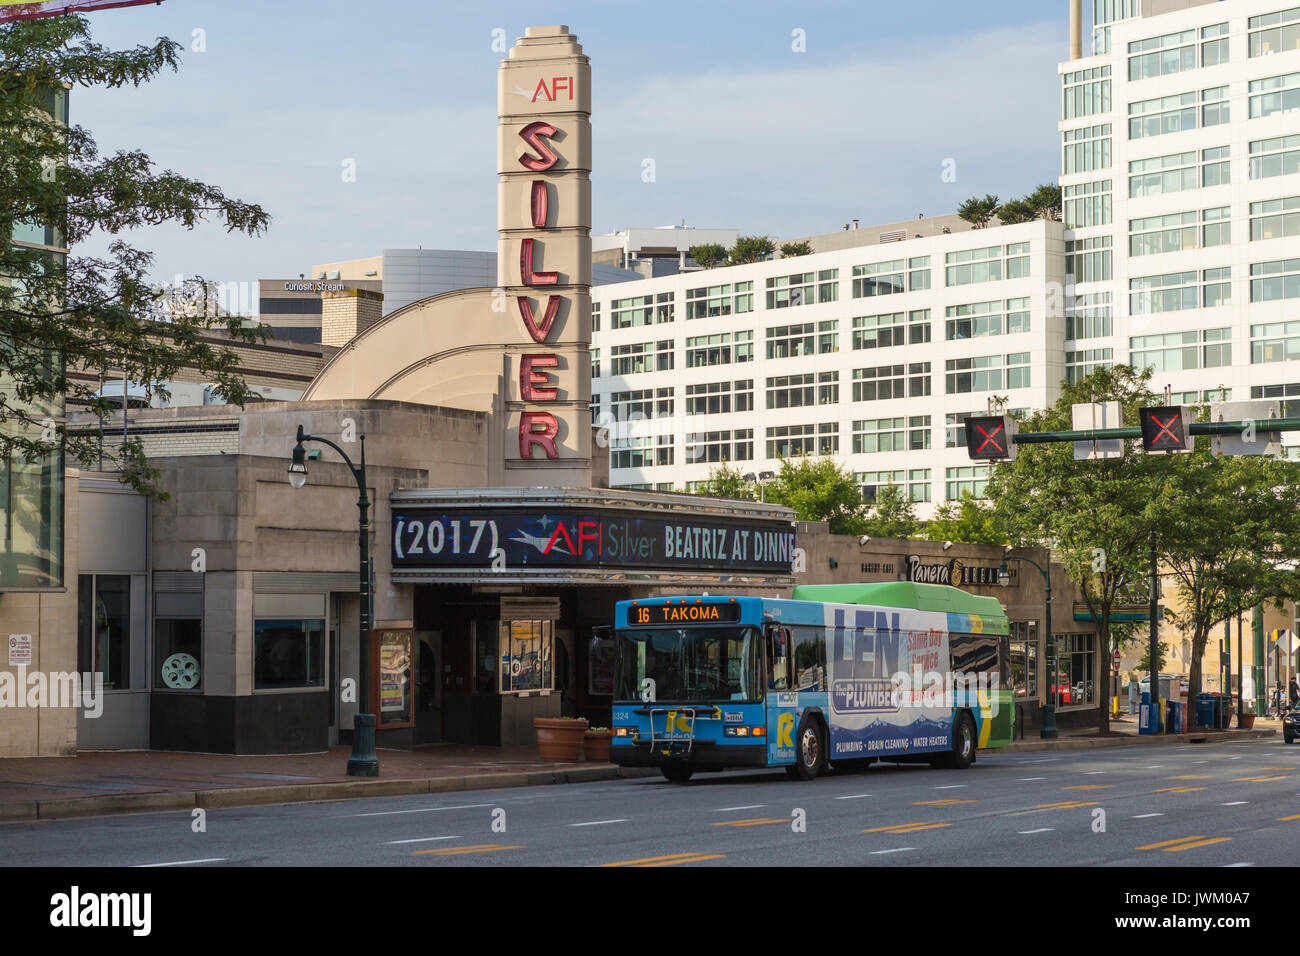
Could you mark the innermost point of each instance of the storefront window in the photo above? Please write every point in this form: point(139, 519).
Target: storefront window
point(1074, 682)
point(485, 657)
point(1024, 658)
point(288, 653)
point(178, 653)
point(104, 628)
point(31, 498)
point(526, 656)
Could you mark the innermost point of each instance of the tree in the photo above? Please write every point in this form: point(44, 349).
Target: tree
point(892, 514)
point(1162, 655)
point(1046, 202)
point(1016, 211)
point(819, 489)
point(1229, 535)
point(978, 212)
point(789, 249)
point(969, 521)
point(709, 255)
point(727, 482)
point(750, 249)
point(92, 314)
point(1090, 513)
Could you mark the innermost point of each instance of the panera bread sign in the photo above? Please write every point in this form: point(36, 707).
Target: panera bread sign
point(954, 572)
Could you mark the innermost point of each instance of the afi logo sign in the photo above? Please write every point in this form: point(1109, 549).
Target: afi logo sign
point(559, 84)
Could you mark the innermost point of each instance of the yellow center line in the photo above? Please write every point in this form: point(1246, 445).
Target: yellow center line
point(656, 860)
point(1189, 846)
point(1068, 805)
point(1090, 786)
point(688, 859)
point(1287, 819)
point(455, 851)
point(941, 803)
point(907, 827)
point(1157, 846)
point(1177, 789)
point(756, 822)
point(1191, 776)
point(1258, 779)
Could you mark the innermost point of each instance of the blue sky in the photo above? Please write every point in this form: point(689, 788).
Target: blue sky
point(744, 131)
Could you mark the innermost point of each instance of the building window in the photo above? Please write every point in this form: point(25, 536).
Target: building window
point(526, 656)
point(974, 265)
point(1216, 166)
point(1182, 351)
point(791, 341)
point(1086, 92)
point(1216, 289)
point(1215, 108)
point(595, 316)
point(1087, 204)
point(973, 320)
point(915, 482)
point(1274, 281)
point(1157, 234)
point(706, 350)
point(1088, 260)
point(880, 278)
point(828, 336)
point(1274, 94)
point(642, 404)
point(1018, 370)
point(708, 302)
point(1214, 44)
point(791, 391)
point(1160, 56)
point(719, 446)
point(896, 328)
point(1082, 363)
point(1086, 149)
point(787, 441)
point(1173, 292)
point(1275, 32)
point(641, 451)
point(744, 300)
point(1275, 218)
point(1163, 174)
point(288, 653)
point(1275, 157)
point(785, 292)
point(1023, 669)
point(972, 479)
point(1073, 683)
point(1089, 316)
point(891, 434)
point(1162, 115)
point(629, 313)
point(710, 398)
point(595, 363)
point(1274, 342)
point(891, 381)
point(104, 628)
point(632, 359)
point(978, 374)
point(1216, 229)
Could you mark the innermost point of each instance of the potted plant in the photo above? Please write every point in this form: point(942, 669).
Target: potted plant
point(1246, 719)
point(560, 738)
point(595, 745)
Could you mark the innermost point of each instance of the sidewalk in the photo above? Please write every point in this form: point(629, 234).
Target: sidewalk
point(95, 783)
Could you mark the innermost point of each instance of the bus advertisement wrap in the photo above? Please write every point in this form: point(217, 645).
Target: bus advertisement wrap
point(886, 681)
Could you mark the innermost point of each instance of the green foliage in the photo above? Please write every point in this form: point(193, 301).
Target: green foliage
point(1046, 202)
point(892, 514)
point(978, 212)
point(709, 255)
point(727, 482)
point(1016, 211)
point(1162, 656)
point(819, 489)
point(750, 249)
point(969, 521)
point(96, 315)
point(789, 249)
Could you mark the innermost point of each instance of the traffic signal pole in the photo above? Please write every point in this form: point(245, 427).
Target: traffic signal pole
point(1133, 431)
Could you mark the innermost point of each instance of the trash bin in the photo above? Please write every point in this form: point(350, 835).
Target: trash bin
point(1147, 722)
point(1180, 718)
point(1224, 713)
point(1205, 711)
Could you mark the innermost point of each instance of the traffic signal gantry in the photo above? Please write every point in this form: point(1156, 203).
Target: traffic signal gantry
point(1256, 429)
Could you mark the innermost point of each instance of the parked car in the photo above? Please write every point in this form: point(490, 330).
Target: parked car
point(1145, 684)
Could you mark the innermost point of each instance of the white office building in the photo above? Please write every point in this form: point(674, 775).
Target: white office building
point(1180, 142)
point(873, 353)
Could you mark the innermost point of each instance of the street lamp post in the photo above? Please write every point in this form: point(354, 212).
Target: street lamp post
point(1048, 731)
point(363, 761)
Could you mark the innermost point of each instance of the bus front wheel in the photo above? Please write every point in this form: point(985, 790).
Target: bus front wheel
point(677, 774)
point(810, 756)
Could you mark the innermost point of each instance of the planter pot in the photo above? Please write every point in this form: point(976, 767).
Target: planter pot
point(595, 746)
point(1246, 721)
point(559, 740)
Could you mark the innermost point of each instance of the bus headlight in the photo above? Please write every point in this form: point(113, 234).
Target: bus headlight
point(625, 732)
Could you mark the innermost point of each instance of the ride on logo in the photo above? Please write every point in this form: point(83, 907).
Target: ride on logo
point(785, 731)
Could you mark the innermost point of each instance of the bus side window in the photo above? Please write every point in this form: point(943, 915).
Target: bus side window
point(809, 658)
point(778, 658)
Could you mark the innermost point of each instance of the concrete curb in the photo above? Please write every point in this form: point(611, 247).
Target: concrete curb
point(225, 799)
point(1090, 743)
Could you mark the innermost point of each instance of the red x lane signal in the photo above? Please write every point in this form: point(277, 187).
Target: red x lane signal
point(989, 438)
point(1164, 428)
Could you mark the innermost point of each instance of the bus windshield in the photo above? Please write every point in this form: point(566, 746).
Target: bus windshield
point(689, 664)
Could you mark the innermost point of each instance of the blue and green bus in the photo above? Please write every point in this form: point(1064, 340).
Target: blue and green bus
point(839, 673)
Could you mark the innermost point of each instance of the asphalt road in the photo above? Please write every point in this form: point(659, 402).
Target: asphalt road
point(1235, 803)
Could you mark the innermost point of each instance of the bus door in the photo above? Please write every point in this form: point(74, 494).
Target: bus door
point(782, 700)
